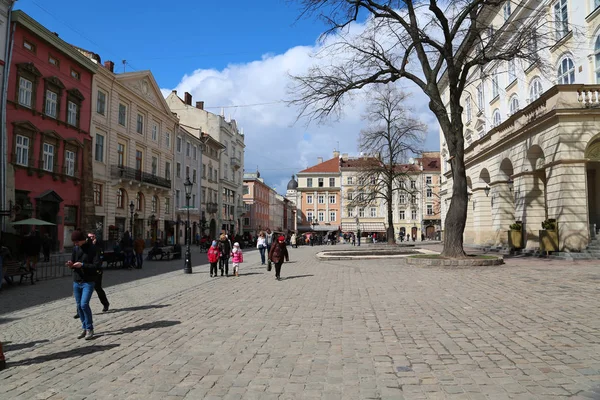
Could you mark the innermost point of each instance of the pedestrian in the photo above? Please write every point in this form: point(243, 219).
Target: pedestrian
point(261, 245)
point(138, 247)
point(85, 264)
point(277, 253)
point(126, 246)
point(237, 257)
point(46, 241)
point(91, 237)
point(214, 254)
point(293, 240)
point(269, 239)
point(33, 247)
point(225, 247)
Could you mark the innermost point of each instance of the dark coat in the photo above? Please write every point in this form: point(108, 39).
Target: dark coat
point(92, 264)
point(225, 246)
point(278, 256)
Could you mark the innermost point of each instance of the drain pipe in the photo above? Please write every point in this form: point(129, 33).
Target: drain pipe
point(4, 142)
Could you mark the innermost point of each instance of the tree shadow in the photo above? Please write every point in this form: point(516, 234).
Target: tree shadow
point(4, 320)
point(62, 355)
point(296, 276)
point(10, 346)
point(138, 308)
point(142, 327)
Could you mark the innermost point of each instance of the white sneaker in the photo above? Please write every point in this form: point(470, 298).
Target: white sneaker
point(82, 334)
point(89, 334)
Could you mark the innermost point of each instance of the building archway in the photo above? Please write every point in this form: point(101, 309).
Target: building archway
point(592, 154)
point(503, 201)
point(531, 196)
point(482, 207)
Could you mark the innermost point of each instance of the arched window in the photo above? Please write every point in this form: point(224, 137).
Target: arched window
point(535, 89)
point(496, 117)
point(597, 51)
point(139, 201)
point(120, 198)
point(566, 71)
point(513, 104)
point(154, 205)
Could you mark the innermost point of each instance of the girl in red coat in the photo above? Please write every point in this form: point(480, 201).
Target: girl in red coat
point(213, 257)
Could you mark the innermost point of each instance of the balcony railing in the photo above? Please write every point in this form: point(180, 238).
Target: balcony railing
point(133, 174)
point(212, 208)
point(236, 163)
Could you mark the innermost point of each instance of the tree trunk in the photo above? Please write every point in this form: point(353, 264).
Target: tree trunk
point(456, 217)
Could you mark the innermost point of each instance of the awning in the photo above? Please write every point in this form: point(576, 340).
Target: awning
point(318, 228)
point(364, 227)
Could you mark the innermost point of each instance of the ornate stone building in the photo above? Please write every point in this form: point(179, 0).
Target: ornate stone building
point(210, 217)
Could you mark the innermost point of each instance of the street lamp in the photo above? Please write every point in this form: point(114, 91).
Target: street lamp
point(188, 256)
point(510, 184)
point(487, 190)
point(131, 208)
point(357, 231)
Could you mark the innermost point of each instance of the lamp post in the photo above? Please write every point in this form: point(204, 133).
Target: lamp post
point(131, 208)
point(357, 231)
point(188, 256)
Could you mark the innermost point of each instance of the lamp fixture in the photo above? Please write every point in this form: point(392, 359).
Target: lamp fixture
point(487, 190)
point(510, 184)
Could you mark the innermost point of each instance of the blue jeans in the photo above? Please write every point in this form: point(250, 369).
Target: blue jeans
point(262, 254)
point(83, 293)
point(139, 259)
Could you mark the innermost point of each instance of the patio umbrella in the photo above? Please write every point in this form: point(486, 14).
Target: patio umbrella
point(33, 222)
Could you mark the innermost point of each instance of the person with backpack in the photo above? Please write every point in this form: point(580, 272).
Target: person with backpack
point(237, 258)
point(214, 254)
point(277, 253)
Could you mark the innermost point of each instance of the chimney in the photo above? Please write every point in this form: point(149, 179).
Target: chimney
point(109, 65)
point(336, 153)
point(319, 160)
point(174, 92)
point(345, 156)
point(188, 99)
point(200, 105)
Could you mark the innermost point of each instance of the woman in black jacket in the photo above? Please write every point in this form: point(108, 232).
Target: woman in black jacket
point(85, 263)
point(225, 246)
point(277, 253)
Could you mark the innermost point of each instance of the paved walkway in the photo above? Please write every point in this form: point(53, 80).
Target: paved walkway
point(329, 330)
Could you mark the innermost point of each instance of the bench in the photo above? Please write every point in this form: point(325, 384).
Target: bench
point(169, 253)
point(11, 269)
point(113, 259)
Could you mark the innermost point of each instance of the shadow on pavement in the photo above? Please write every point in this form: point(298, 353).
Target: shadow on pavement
point(138, 308)
point(61, 355)
point(4, 320)
point(296, 276)
point(142, 327)
point(10, 346)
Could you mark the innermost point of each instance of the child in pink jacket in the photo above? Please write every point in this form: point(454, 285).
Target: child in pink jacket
point(236, 257)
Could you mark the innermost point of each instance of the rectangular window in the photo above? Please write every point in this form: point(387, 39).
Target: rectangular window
point(140, 124)
point(203, 171)
point(210, 173)
point(413, 184)
point(320, 182)
point(428, 180)
point(512, 71)
point(139, 160)
point(154, 165)
point(194, 176)
point(468, 108)
point(48, 157)
point(321, 199)
point(154, 132)
point(178, 170)
point(331, 182)
point(29, 46)
point(120, 154)
point(216, 173)
point(429, 193)
point(97, 194)
point(168, 140)
point(167, 205)
point(179, 144)
point(22, 150)
point(309, 216)
point(177, 199)
point(168, 171)
point(25, 92)
point(187, 171)
point(349, 180)
point(321, 216)
point(429, 209)
point(373, 212)
point(51, 102)
point(69, 163)
point(402, 199)
point(309, 199)
point(361, 212)
point(75, 74)
point(309, 182)
point(413, 199)
point(561, 19)
point(495, 85)
point(402, 215)
point(350, 195)
point(350, 212)
point(413, 214)
point(506, 9)
point(480, 98)
point(195, 153)
point(101, 102)
point(332, 199)
point(332, 216)
point(122, 114)
point(193, 201)
point(187, 149)
point(71, 113)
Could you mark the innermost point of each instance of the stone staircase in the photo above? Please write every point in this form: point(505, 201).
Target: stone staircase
point(592, 252)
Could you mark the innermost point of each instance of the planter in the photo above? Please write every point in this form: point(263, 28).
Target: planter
point(548, 240)
point(515, 239)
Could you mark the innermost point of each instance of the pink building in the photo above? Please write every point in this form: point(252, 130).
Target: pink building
point(49, 172)
point(256, 198)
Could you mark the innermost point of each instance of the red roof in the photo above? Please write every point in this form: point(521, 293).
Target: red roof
point(329, 166)
point(360, 162)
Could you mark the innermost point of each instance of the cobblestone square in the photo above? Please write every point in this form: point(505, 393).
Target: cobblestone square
point(366, 329)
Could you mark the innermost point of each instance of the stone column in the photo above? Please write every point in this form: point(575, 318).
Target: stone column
point(482, 221)
point(530, 206)
point(567, 203)
point(503, 211)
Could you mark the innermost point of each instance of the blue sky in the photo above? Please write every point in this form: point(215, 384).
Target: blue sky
point(235, 55)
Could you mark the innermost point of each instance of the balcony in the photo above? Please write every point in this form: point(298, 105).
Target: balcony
point(212, 208)
point(132, 174)
point(236, 163)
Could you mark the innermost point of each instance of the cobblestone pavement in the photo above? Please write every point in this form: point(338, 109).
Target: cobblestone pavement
point(329, 330)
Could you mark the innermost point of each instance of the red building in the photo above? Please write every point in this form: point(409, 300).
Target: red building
point(49, 172)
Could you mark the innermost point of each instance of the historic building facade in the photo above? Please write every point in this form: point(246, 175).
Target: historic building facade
point(256, 198)
point(319, 189)
point(210, 219)
point(134, 134)
point(48, 131)
point(231, 205)
point(532, 142)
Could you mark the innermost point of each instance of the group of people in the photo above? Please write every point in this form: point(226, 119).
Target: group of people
point(219, 254)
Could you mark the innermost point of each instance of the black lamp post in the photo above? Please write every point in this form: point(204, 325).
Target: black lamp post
point(357, 231)
point(188, 256)
point(510, 184)
point(131, 208)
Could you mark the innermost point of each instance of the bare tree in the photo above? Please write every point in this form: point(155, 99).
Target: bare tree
point(391, 135)
point(424, 42)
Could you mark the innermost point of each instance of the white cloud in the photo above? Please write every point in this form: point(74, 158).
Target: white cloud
point(275, 143)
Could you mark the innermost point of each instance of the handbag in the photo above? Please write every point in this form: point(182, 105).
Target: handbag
point(269, 266)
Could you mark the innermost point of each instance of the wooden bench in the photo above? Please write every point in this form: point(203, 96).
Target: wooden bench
point(169, 253)
point(11, 269)
point(113, 259)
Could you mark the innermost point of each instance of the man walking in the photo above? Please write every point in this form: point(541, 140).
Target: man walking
point(97, 245)
point(138, 247)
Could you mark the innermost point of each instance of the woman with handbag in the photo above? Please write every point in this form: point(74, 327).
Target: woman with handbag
point(261, 245)
point(277, 253)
